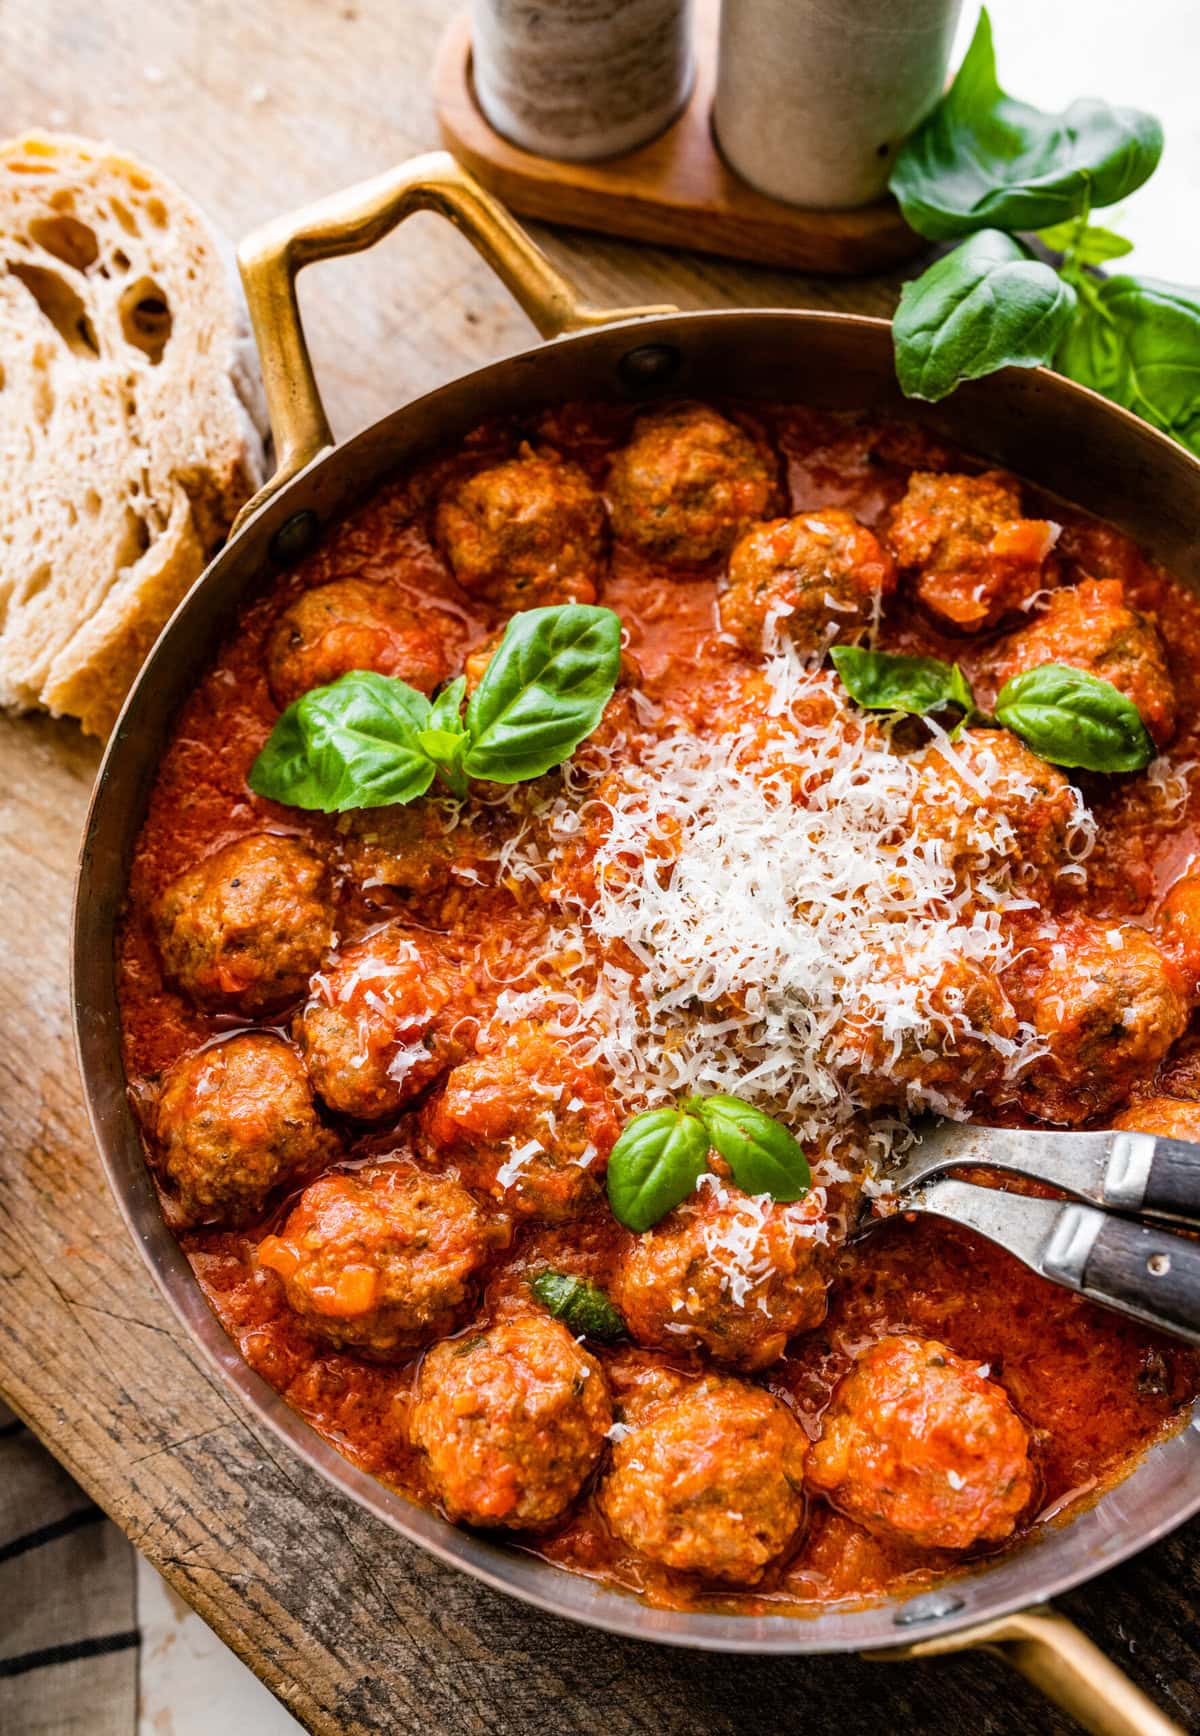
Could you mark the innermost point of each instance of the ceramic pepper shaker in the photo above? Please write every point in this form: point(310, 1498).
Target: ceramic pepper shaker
point(581, 79)
point(814, 96)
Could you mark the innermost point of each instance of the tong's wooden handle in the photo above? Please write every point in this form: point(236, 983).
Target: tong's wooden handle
point(1147, 1272)
point(1173, 1184)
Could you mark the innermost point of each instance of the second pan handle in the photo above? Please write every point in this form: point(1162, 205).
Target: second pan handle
point(350, 222)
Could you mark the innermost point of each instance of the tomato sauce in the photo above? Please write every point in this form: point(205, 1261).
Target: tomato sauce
point(1095, 1390)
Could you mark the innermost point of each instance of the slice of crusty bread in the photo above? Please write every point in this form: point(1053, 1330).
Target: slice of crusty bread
point(131, 423)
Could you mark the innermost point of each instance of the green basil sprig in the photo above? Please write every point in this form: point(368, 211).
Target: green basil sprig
point(987, 305)
point(662, 1154)
point(982, 164)
point(883, 681)
point(1074, 719)
point(982, 160)
point(579, 1305)
point(1137, 340)
point(1066, 716)
point(368, 740)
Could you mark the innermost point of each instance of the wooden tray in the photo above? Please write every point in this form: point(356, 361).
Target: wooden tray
point(677, 190)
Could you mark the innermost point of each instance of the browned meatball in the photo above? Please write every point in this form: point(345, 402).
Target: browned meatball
point(1177, 927)
point(1004, 803)
point(1106, 1004)
point(920, 1446)
point(351, 624)
point(926, 1032)
point(382, 1022)
point(235, 1121)
point(733, 1275)
point(525, 533)
point(382, 1259)
point(711, 1482)
point(687, 485)
point(511, 1421)
point(418, 848)
point(815, 578)
point(245, 928)
point(1090, 627)
point(528, 1123)
point(973, 557)
point(1164, 1117)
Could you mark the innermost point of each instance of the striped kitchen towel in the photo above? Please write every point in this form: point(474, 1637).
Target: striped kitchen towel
point(68, 1628)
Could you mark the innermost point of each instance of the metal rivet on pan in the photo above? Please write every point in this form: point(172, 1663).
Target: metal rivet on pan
point(932, 1606)
point(1158, 1265)
point(294, 537)
point(649, 367)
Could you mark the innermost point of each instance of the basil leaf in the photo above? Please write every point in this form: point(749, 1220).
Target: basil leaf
point(987, 305)
point(1084, 244)
point(578, 1304)
point(982, 160)
point(1072, 718)
point(446, 711)
point(1137, 340)
point(882, 681)
point(762, 1154)
point(654, 1165)
point(353, 744)
point(544, 690)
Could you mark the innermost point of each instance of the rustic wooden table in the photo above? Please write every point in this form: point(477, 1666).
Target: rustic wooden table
point(256, 106)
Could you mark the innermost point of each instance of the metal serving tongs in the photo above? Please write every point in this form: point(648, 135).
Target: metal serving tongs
point(1094, 1242)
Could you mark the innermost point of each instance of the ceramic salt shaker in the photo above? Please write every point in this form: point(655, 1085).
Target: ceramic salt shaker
point(815, 96)
point(581, 79)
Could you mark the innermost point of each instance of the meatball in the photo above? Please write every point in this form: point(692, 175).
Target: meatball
point(528, 1123)
point(988, 799)
point(244, 929)
point(734, 1275)
point(1177, 927)
point(927, 1033)
point(711, 1482)
point(418, 848)
point(525, 533)
point(973, 558)
point(512, 1422)
point(1164, 1117)
point(687, 485)
point(1090, 627)
point(382, 1022)
point(919, 1446)
point(351, 624)
point(235, 1121)
point(816, 578)
point(1107, 1006)
point(382, 1259)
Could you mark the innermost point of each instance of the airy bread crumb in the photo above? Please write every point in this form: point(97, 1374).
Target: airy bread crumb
point(131, 418)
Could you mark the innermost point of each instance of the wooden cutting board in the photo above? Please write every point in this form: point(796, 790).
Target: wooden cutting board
point(256, 106)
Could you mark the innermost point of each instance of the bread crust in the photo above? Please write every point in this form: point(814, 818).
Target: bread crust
point(132, 424)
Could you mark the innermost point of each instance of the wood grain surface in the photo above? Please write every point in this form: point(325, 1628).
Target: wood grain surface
point(255, 107)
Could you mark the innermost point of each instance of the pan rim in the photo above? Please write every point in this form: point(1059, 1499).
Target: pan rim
point(501, 1566)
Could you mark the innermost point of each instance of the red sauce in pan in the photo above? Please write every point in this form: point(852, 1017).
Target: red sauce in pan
point(1094, 1390)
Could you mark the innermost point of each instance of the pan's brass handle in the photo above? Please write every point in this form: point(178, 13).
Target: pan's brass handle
point(350, 222)
point(1062, 1662)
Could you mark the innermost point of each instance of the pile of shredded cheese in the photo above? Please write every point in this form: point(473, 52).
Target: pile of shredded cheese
point(729, 961)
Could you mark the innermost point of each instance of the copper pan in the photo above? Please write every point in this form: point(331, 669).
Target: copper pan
point(1067, 439)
